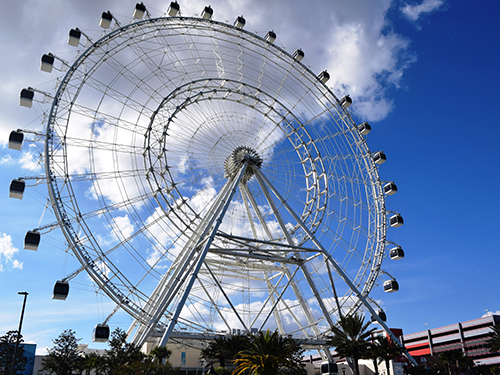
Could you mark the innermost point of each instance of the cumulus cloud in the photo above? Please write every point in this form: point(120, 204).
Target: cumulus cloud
point(27, 160)
point(7, 160)
point(122, 227)
point(7, 253)
point(414, 12)
point(352, 40)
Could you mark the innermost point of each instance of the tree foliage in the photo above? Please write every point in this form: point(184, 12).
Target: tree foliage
point(374, 353)
point(224, 349)
point(122, 358)
point(350, 338)
point(64, 358)
point(494, 339)
point(268, 354)
point(388, 350)
point(7, 347)
point(160, 354)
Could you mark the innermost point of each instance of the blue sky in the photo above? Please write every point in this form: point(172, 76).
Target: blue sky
point(425, 76)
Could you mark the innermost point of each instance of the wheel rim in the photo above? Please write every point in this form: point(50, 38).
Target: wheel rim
point(159, 106)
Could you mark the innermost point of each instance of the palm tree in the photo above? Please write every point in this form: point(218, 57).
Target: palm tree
point(494, 340)
point(161, 353)
point(455, 361)
point(269, 352)
point(350, 338)
point(92, 363)
point(388, 350)
point(374, 353)
point(217, 351)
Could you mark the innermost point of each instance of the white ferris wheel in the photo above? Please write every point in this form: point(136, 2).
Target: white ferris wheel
point(208, 181)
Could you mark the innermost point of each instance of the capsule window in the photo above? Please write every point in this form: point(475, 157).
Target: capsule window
point(106, 18)
point(381, 314)
point(100, 333)
point(391, 286)
point(207, 13)
point(173, 9)
point(17, 189)
point(396, 221)
point(379, 157)
point(47, 63)
point(270, 36)
point(298, 55)
point(346, 101)
point(31, 240)
point(240, 22)
point(26, 97)
point(390, 188)
point(139, 10)
point(16, 140)
point(61, 290)
point(324, 76)
point(396, 253)
point(329, 368)
point(364, 128)
point(74, 37)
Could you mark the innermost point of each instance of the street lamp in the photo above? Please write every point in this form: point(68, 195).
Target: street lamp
point(12, 369)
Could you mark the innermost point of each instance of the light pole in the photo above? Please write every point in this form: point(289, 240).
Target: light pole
point(12, 369)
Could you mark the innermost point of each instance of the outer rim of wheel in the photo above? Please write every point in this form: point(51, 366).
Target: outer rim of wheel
point(68, 230)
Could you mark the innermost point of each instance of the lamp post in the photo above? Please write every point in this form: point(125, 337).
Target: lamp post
point(12, 369)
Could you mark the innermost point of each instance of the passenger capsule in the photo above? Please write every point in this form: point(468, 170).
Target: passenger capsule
point(324, 76)
point(106, 18)
point(16, 140)
point(346, 101)
point(240, 22)
point(396, 253)
point(26, 97)
point(139, 11)
point(207, 13)
point(381, 314)
point(100, 333)
point(298, 54)
point(390, 188)
point(173, 9)
point(74, 37)
point(17, 189)
point(47, 63)
point(31, 240)
point(270, 36)
point(379, 157)
point(396, 221)
point(61, 290)
point(329, 368)
point(364, 128)
point(391, 286)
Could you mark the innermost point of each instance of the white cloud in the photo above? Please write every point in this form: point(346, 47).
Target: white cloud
point(352, 40)
point(490, 313)
point(7, 160)
point(7, 252)
point(122, 227)
point(413, 12)
point(28, 160)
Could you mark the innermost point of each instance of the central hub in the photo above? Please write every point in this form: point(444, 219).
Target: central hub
point(239, 157)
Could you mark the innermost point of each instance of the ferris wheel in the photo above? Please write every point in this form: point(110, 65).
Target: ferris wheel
point(208, 181)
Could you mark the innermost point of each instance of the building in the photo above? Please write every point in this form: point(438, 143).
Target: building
point(470, 337)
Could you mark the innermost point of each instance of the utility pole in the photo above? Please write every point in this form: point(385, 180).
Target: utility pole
point(12, 369)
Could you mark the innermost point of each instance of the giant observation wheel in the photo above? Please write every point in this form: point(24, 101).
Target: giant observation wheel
point(207, 180)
